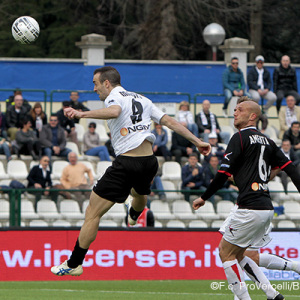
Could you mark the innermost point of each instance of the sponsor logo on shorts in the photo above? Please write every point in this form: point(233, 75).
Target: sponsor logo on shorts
point(232, 230)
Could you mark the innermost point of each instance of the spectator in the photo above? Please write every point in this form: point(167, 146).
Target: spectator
point(228, 191)
point(233, 83)
point(11, 100)
point(74, 96)
point(3, 128)
point(288, 114)
point(285, 82)
point(186, 118)
point(14, 116)
point(26, 141)
point(181, 147)
point(39, 177)
point(156, 184)
point(146, 219)
point(293, 135)
point(207, 123)
point(216, 149)
point(160, 144)
point(67, 124)
point(91, 144)
point(73, 177)
point(38, 118)
point(289, 152)
point(4, 148)
point(259, 82)
point(53, 139)
point(192, 177)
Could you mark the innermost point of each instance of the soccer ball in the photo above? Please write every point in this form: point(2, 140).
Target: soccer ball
point(25, 30)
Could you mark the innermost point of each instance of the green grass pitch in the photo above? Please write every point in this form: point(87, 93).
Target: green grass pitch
point(133, 290)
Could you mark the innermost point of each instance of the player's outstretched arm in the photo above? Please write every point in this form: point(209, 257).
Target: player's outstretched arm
point(204, 148)
point(106, 113)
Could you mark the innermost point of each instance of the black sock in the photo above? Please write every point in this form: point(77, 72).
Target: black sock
point(134, 214)
point(77, 256)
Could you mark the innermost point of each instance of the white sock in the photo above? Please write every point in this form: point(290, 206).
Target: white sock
point(275, 262)
point(258, 277)
point(235, 278)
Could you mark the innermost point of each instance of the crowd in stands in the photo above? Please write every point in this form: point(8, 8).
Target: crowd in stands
point(26, 130)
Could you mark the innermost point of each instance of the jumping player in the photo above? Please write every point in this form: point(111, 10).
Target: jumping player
point(129, 118)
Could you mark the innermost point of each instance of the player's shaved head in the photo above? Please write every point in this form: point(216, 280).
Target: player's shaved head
point(251, 105)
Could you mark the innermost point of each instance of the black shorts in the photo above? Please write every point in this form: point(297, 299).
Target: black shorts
point(125, 173)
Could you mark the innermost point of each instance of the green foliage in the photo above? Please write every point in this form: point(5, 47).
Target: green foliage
point(147, 29)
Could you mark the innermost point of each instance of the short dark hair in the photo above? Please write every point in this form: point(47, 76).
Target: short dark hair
point(110, 74)
point(54, 115)
point(193, 154)
point(92, 124)
point(295, 122)
point(232, 58)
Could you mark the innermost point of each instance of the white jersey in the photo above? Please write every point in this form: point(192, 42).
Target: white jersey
point(133, 125)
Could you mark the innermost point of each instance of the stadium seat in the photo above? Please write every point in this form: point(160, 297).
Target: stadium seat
point(207, 212)
point(286, 224)
point(17, 169)
point(27, 211)
point(170, 186)
point(89, 165)
point(293, 192)
point(277, 191)
point(223, 208)
point(33, 163)
point(38, 223)
point(80, 132)
point(100, 129)
point(161, 210)
point(271, 133)
point(57, 168)
point(158, 224)
point(4, 210)
point(70, 210)
point(182, 210)
point(72, 146)
point(175, 224)
point(46, 209)
point(116, 213)
point(197, 224)
point(108, 223)
point(101, 168)
point(171, 170)
point(216, 224)
point(169, 132)
point(61, 223)
point(85, 205)
point(3, 174)
point(292, 210)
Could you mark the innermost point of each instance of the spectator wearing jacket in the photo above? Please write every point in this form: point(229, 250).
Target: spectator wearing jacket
point(259, 82)
point(67, 124)
point(74, 101)
point(160, 144)
point(233, 83)
point(288, 114)
point(207, 123)
point(53, 139)
point(14, 116)
point(192, 177)
point(285, 82)
point(293, 135)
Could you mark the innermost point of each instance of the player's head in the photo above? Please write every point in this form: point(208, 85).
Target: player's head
point(246, 113)
point(105, 79)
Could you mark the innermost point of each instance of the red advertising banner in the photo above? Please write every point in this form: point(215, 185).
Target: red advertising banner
point(115, 255)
